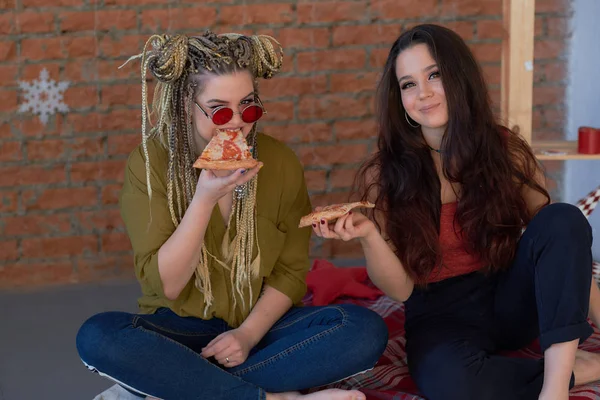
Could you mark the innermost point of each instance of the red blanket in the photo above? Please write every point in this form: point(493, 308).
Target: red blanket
point(390, 380)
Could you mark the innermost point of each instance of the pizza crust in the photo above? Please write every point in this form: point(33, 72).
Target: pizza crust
point(332, 212)
point(225, 164)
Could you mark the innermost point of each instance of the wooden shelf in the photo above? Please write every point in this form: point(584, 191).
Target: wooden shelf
point(560, 150)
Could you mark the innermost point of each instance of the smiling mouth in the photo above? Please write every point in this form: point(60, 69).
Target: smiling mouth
point(429, 108)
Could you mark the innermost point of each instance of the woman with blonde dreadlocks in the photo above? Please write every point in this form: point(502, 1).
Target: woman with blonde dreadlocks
point(219, 256)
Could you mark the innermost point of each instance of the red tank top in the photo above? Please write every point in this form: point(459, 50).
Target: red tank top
point(455, 258)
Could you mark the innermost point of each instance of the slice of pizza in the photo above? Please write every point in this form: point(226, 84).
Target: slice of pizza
point(227, 150)
point(332, 212)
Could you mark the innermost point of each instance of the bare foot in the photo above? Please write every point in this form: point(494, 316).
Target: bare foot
point(587, 367)
point(329, 394)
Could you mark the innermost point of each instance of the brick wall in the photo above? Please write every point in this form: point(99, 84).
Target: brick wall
point(59, 220)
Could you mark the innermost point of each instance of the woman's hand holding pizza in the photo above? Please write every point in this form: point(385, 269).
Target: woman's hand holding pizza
point(212, 185)
point(347, 227)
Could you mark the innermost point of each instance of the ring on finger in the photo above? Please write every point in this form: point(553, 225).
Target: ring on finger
point(227, 360)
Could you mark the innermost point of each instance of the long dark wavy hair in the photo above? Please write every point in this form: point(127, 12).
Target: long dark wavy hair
point(490, 162)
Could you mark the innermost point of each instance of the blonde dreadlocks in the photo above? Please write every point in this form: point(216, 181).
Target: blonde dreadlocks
point(175, 61)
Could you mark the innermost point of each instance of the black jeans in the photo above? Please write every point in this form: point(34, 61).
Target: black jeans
point(456, 328)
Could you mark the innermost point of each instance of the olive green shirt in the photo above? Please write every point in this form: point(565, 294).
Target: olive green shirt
point(281, 200)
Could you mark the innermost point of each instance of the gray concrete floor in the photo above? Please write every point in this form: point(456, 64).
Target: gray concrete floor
point(38, 358)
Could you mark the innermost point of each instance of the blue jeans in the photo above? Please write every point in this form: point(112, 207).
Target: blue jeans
point(159, 354)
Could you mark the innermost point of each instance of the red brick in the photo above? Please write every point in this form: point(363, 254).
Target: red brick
point(332, 155)
point(359, 82)
point(332, 11)
point(558, 27)
point(331, 59)
point(102, 267)
point(537, 119)
point(110, 194)
point(10, 151)
point(303, 37)
point(116, 19)
point(8, 201)
point(378, 57)
point(8, 74)
point(6, 130)
point(538, 28)
point(347, 250)
point(49, 149)
point(492, 74)
point(257, 14)
point(8, 51)
point(123, 46)
point(81, 97)
point(136, 2)
point(301, 133)
point(109, 70)
point(33, 127)
point(55, 3)
point(117, 120)
point(82, 123)
point(7, 24)
point(93, 221)
point(293, 86)
point(325, 199)
point(316, 180)
point(8, 100)
point(463, 28)
point(77, 21)
point(31, 72)
point(279, 111)
point(363, 129)
point(112, 170)
point(37, 225)
point(31, 175)
point(8, 4)
point(548, 49)
point(24, 274)
point(365, 34)
point(490, 29)
point(58, 246)
point(120, 94)
point(555, 71)
point(87, 147)
point(332, 106)
point(487, 52)
point(42, 49)
point(551, 6)
point(554, 117)
point(404, 9)
point(35, 22)
point(471, 7)
point(50, 199)
point(114, 242)
point(178, 18)
point(84, 46)
point(123, 144)
point(342, 178)
point(81, 70)
point(8, 250)
point(548, 95)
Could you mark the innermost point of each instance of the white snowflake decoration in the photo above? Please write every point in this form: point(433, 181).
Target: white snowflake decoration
point(44, 96)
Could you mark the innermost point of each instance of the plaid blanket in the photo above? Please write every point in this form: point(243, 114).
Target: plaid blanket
point(390, 380)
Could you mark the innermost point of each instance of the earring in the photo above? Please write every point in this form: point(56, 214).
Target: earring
point(408, 120)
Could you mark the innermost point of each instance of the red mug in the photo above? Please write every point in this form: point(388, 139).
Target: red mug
point(589, 140)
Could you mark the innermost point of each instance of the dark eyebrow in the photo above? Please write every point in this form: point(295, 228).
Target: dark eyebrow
point(225, 102)
point(432, 66)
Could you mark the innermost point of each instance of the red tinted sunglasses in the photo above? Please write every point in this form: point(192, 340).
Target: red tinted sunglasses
point(222, 115)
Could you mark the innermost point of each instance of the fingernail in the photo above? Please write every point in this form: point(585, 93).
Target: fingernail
point(243, 171)
point(322, 222)
point(350, 213)
point(314, 225)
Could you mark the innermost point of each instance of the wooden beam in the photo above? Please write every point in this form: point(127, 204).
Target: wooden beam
point(517, 65)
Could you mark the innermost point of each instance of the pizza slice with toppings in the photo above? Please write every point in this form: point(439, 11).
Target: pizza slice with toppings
point(227, 150)
point(332, 212)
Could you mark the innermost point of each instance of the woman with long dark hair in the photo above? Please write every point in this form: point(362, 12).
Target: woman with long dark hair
point(464, 233)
